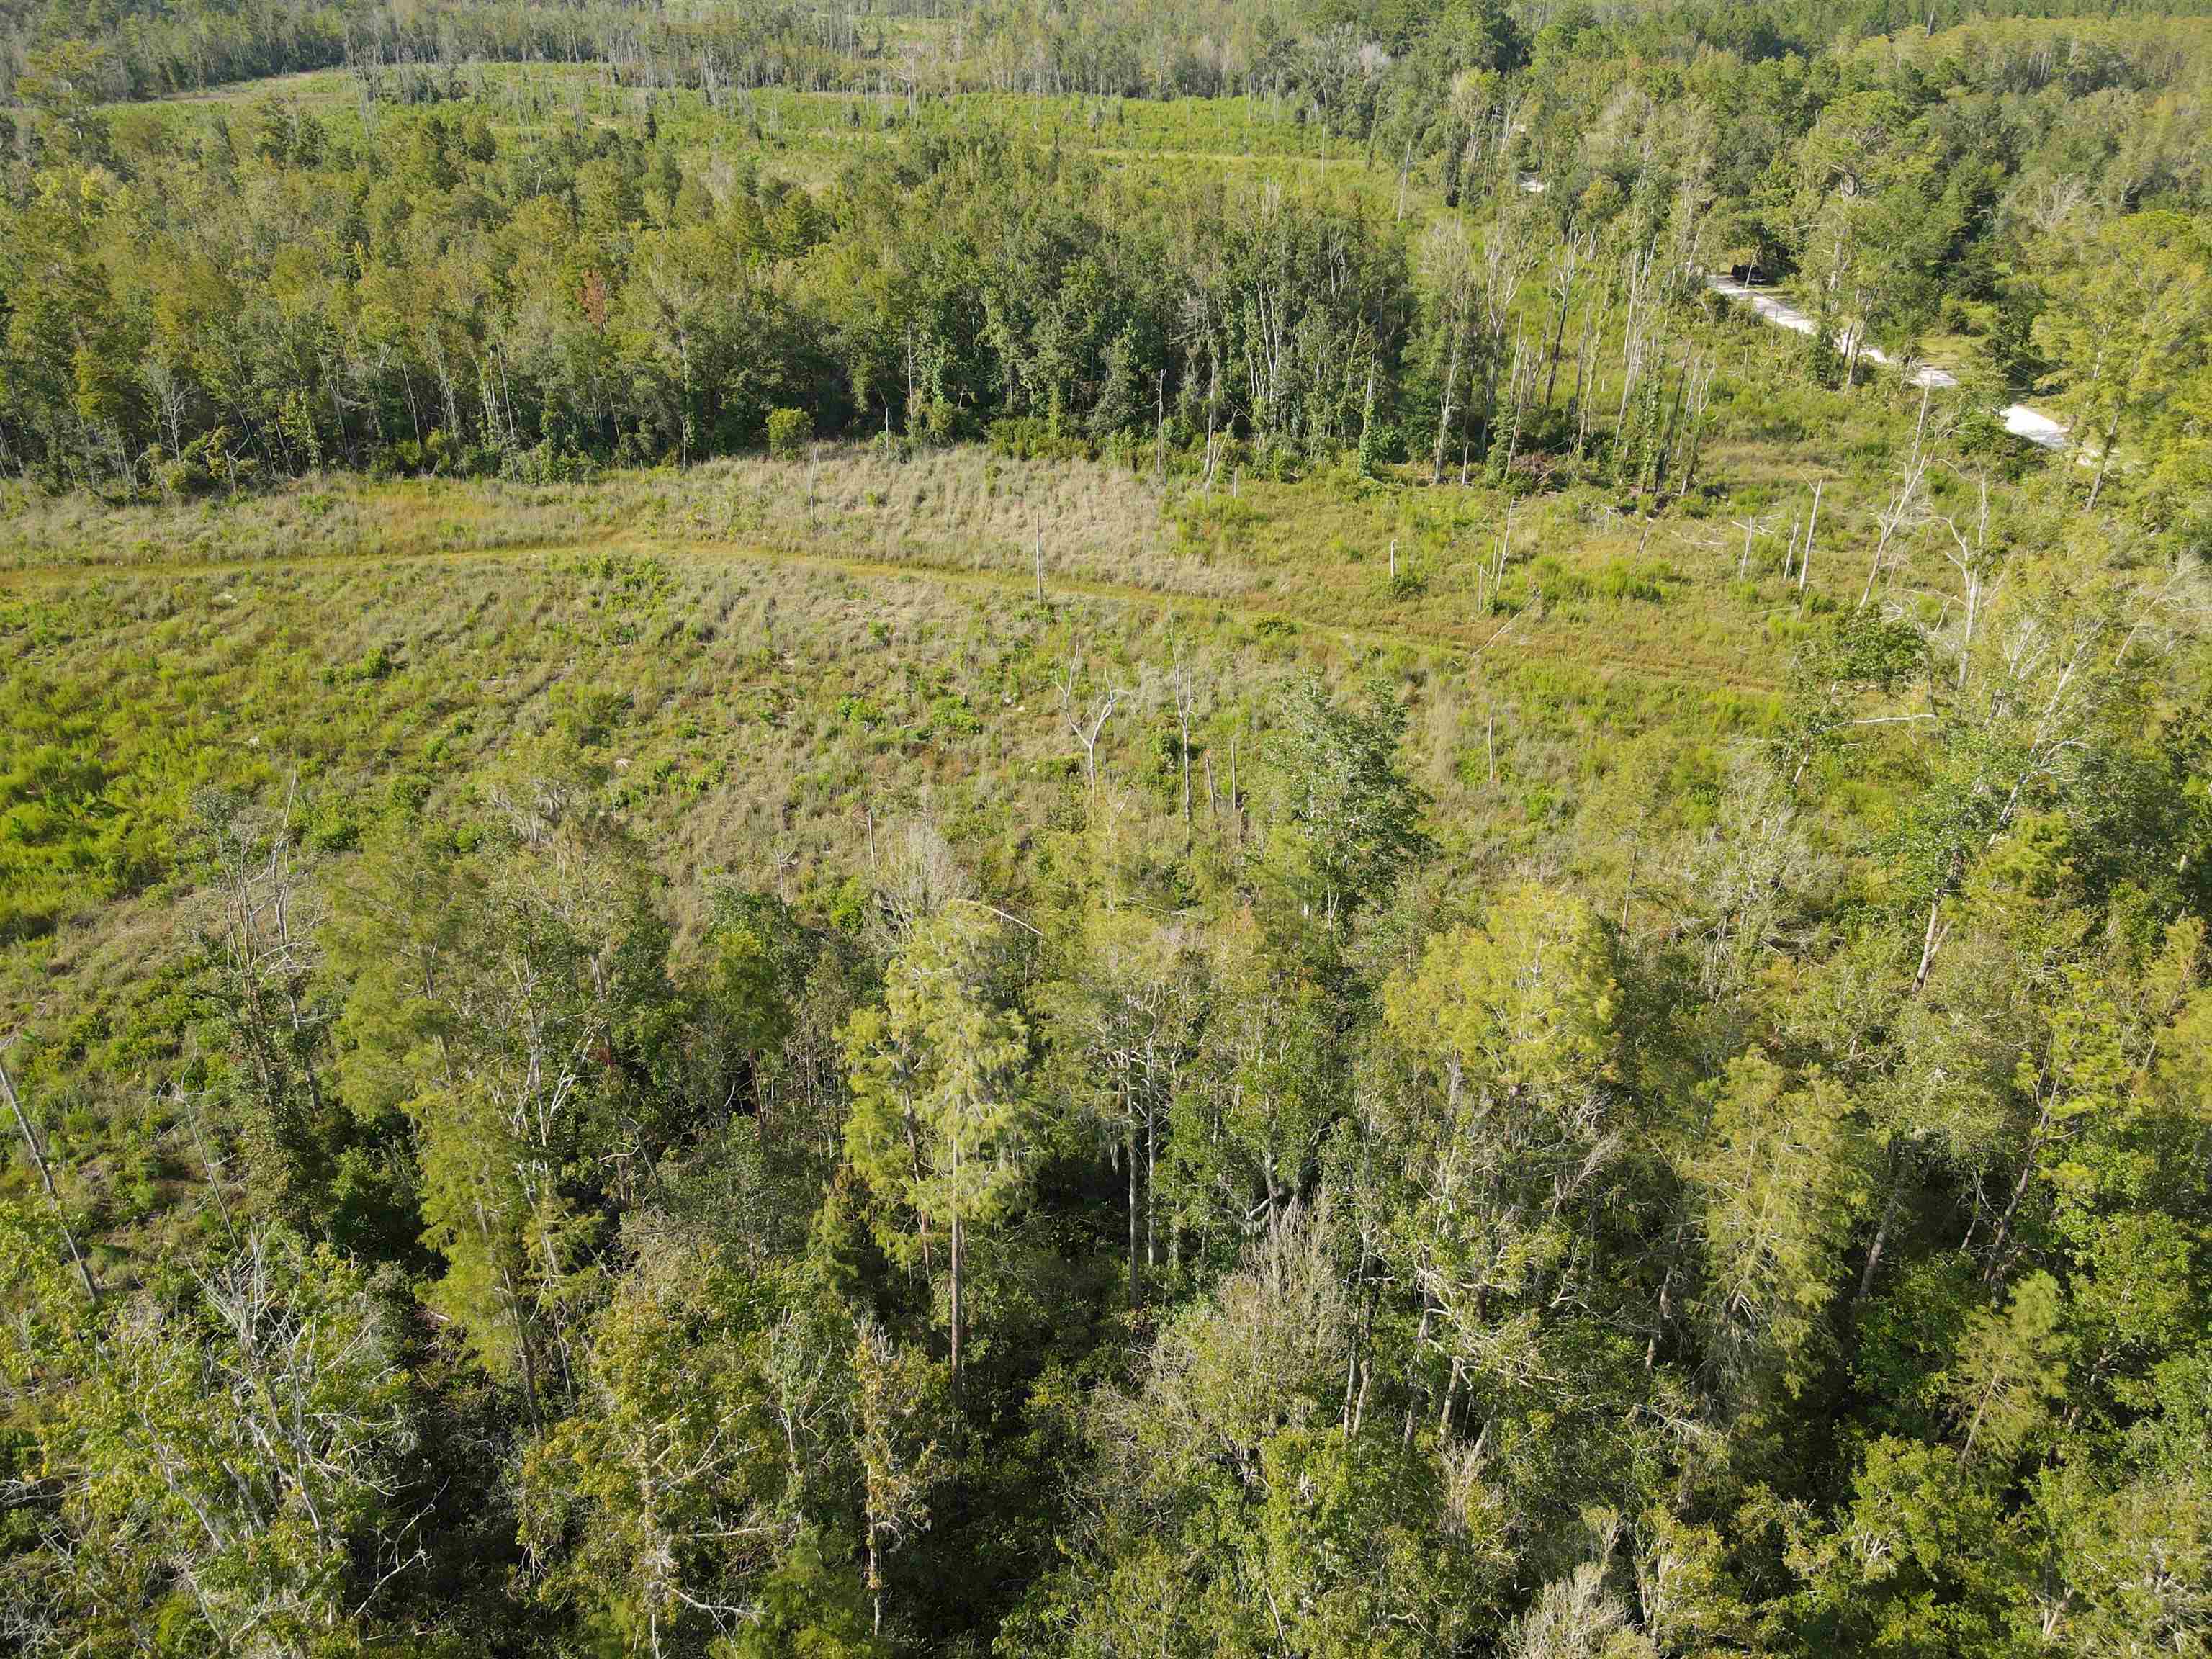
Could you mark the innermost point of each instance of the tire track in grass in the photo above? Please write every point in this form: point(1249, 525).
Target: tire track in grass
point(2022, 421)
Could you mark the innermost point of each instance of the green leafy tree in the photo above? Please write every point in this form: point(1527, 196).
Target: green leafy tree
point(1341, 818)
point(661, 1502)
point(1508, 1127)
point(1236, 1513)
point(1778, 1177)
point(1248, 1119)
point(227, 1465)
point(1870, 217)
point(899, 1425)
point(2008, 1370)
point(520, 1032)
point(2120, 307)
point(1127, 1013)
point(940, 1128)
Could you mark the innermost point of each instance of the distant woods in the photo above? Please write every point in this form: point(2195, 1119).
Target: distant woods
point(460, 269)
point(1341, 57)
point(438, 298)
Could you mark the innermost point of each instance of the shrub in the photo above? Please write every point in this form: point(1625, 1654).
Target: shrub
point(937, 422)
point(1620, 579)
point(789, 432)
point(1380, 446)
point(1026, 438)
point(950, 716)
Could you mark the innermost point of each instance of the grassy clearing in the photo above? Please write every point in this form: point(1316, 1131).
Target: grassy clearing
point(809, 137)
point(771, 656)
point(761, 682)
point(1586, 578)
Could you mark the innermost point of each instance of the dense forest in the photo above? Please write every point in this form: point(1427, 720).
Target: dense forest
point(978, 827)
point(452, 272)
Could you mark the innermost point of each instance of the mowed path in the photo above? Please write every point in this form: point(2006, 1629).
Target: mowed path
point(1591, 644)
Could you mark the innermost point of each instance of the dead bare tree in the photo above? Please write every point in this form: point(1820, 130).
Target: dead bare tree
point(209, 1162)
point(1565, 264)
point(1589, 340)
point(1186, 703)
point(1635, 346)
point(1971, 559)
point(1753, 527)
point(263, 919)
point(1905, 512)
point(1449, 265)
point(38, 1157)
point(1697, 391)
point(1812, 523)
point(1089, 725)
point(1509, 254)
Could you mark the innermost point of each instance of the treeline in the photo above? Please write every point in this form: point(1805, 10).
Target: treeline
point(132, 49)
point(1348, 59)
point(257, 292)
point(443, 299)
point(1236, 1230)
point(1312, 51)
point(129, 49)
